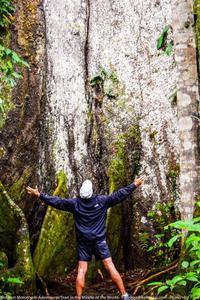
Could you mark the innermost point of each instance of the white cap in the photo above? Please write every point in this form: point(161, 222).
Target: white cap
point(86, 189)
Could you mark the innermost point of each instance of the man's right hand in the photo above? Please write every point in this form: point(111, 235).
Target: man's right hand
point(33, 192)
point(140, 180)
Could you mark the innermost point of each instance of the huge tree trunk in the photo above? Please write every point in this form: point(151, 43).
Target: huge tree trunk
point(61, 122)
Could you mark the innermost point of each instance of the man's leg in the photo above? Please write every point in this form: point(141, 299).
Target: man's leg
point(80, 279)
point(114, 274)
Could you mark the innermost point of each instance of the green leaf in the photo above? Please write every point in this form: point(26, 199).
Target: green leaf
point(159, 235)
point(25, 64)
point(182, 282)
point(14, 280)
point(174, 280)
point(194, 262)
point(195, 251)
point(16, 58)
point(162, 37)
point(195, 292)
point(185, 264)
point(162, 288)
point(7, 51)
point(17, 75)
point(96, 80)
point(110, 93)
point(194, 227)
point(191, 239)
point(173, 240)
point(99, 77)
point(197, 219)
point(192, 278)
point(150, 248)
point(11, 82)
point(155, 283)
point(168, 51)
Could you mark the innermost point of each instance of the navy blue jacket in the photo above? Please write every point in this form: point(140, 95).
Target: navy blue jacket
point(89, 214)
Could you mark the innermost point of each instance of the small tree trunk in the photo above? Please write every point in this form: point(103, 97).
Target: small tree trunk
point(187, 102)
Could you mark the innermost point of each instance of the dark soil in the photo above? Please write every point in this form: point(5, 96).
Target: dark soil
point(103, 288)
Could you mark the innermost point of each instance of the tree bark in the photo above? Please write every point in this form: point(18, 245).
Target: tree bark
point(187, 103)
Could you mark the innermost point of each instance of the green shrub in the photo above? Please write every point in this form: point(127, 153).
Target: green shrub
point(156, 246)
point(8, 285)
point(187, 282)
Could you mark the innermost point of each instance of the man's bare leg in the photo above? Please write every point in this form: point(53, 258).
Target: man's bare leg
point(114, 274)
point(80, 279)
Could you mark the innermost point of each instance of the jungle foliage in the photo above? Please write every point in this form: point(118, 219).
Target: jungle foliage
point(187, 280)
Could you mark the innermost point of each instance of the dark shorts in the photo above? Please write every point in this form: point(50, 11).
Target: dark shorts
point(87, 248)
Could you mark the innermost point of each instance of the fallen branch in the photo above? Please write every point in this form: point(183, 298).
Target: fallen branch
point(138, 285)
point(153, 288)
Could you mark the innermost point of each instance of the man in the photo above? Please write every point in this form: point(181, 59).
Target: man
point(89, 212)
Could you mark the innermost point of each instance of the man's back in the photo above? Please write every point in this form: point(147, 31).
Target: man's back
point(89, 213)
point(90, 217)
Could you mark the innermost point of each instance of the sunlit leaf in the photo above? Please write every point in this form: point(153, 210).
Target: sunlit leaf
point(185, 264)
point(162, 288)
point(162, 37)
point(173, 240)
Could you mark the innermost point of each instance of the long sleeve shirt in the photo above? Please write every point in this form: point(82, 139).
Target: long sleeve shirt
point(89, 214)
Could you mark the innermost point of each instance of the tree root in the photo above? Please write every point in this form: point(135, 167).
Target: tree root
point(43, 284)
point(135, 286)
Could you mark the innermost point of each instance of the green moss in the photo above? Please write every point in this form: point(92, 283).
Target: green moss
point(61, 189)
point(124, 166)
point(197, 206)
point(14, 241)
point(172, 175)
point(2, 152)
point(56, 248)
point(17, 190)
point(153, 134)
point(118, 166)
point(5, 91)
point(117, 178)
point(3, 261)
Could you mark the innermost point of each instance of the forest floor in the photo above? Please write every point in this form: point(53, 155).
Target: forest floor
point(103, 288)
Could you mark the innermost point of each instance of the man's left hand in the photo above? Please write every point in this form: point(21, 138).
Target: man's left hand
point(140, 180)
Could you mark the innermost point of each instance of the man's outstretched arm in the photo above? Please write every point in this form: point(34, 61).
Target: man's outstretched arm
point(123, 193)
point(54, 201)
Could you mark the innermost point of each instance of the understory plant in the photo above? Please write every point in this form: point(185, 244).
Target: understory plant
point(8, 285)
point(163, 42)
point(154, 241)
point(187, 280)
point(107, 81)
